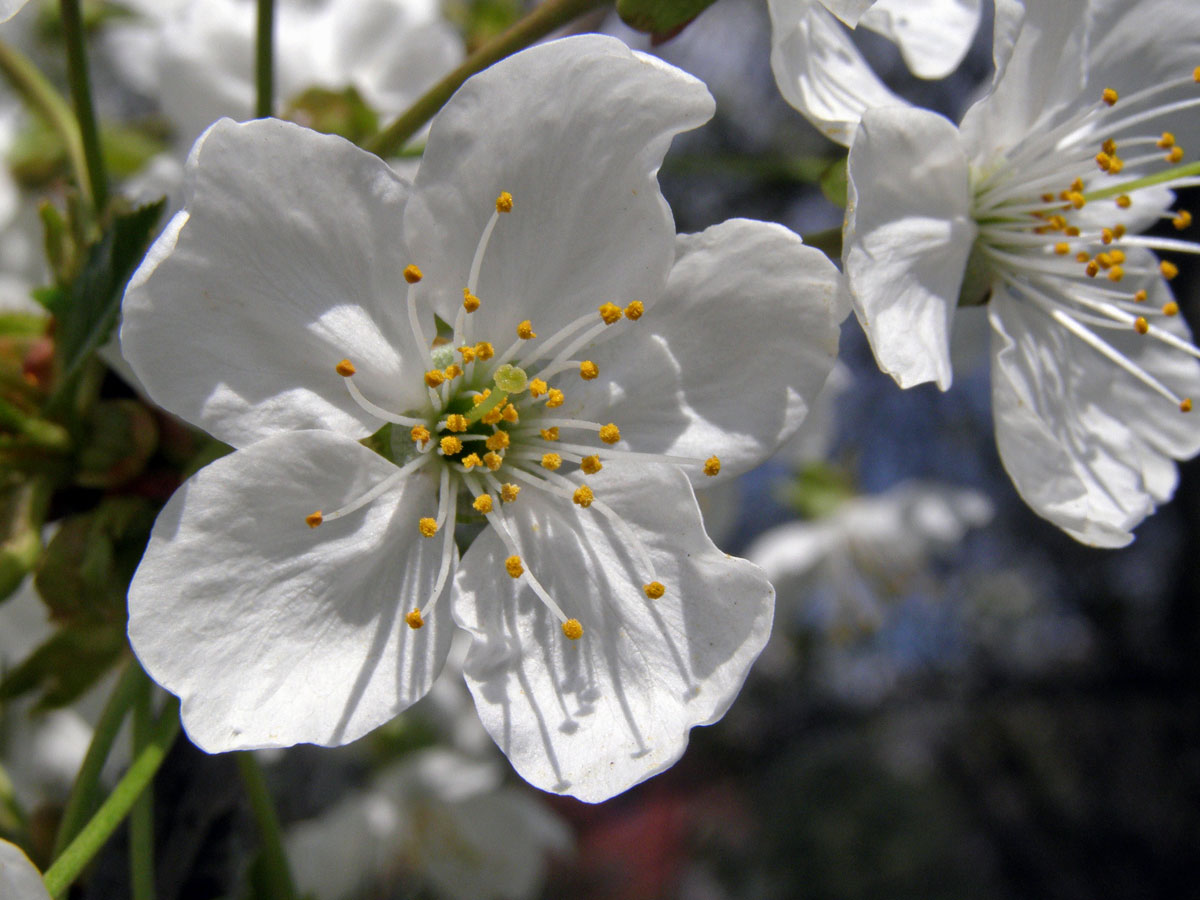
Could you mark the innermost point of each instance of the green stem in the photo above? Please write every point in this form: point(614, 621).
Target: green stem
point(551, 15)
point(84, 791)
point(41, 97)
point(263, 55)
point(80, 851)
point(141, 817)
point(275, 864)
point(96, 186)
point(1188, 170)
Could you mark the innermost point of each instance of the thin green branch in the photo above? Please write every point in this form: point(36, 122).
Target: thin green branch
point(141, 817)
point(275, 864)
point(264, 103)
point(81, 95)
point(112, 812)
point(548, 17)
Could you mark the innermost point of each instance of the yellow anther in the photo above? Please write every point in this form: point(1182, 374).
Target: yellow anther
point(588, 370)
point(1092, 269)
point(1117, 256)
point(590, 465)
point(1140, 325)
point(1116, 273)
point(1072, 231)
point(509, 492)
point(413, 619)
point(609, 433)
point(513, 566)
point(1182, 220)
point(452, 371)
point(1170, 308)
point(572, 629)
point(481, 396)
point(450, 445)
point(470, 301)
point(1082, 256)
point(1140, 296)
point(491, 417)
point(525, 331)
point(468, 354)
point(1185, 405)
point(554, 397)
point(434, 377)
point(1167, 141)
point(1077, 185)
point(537, 387)
point(551, 461)
point(1103, 160)
point(1175, 155)
point(483, 504)
point(471, 460)
point(1062, 248)
point(345, 368)
point(419, 434)
point(510, 414)
point(1196, 74)
point(654, 590)
point(1115, 165)
point(1047, 198)
point(504, 202)
point(1169, 269)
point(583, 496)
point(1077, 199)
point(314, 519)
point(1105, 260)
point(1109, 96)
point(493, 460)
point(412, 274)
point(456, 422)
point(1106, 235)
point(1124, 202)
point(1109, 146)
point(610, 313)
point(497, 440)
point(484, 351)
point(549, 434)
point(427, 526)
point(712, 466)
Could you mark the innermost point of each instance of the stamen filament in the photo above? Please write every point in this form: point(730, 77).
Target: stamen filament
point(379, 489)
point(378, 411)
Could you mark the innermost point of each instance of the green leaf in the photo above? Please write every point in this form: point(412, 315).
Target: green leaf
point(663, 18)
point(343, 113)
point(66, 665)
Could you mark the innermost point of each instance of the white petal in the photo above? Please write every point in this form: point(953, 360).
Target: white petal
point(849, 11)
point(595, 716)
point(820, 72)
point(907, 238)
point(273, 633)
point(287, 258)
point(933, 35)
point(730, 360)
point(19, 878)
point(9, 8)
point(575, 130)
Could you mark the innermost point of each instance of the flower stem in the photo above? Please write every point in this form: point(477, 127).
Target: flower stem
point(263, 60)
point(141, 817)
point(89, 841)
point(1189, 170)
point(41, 97)
point(546, 18)
point(275, 864)
point(96, 187)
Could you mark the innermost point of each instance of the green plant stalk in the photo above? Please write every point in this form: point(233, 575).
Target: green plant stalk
point(41, 97)
point(83, 792)
point(81, 95)
point(264, 87)
point(551, 15)
point(141, 817)
point(87, 844)
point(278, 875)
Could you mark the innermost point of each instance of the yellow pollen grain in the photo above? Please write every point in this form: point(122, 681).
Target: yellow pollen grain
point(554, 397)
point(1103, 160)
point(588, 370)
point(468, 354)
point(419, 434)
point(1167, 141)
point(1182, 220)
point(483, 504)
point(497, 440)
point(456, 422)
point(345, 368)
point(470, 301)
point(1140, 296)
point(450, 445)
point(452, 371)
point(314, 519)
point(572, 629)
point(1077, 185)
point(654, 590)
point(525, 331)
point(609, 433)
point(491, 417)
point(1062, 248)
point(712, 466)
point(1106, 235)
point(1092, 269)
point(634, 310)
point(537, 387)
point(1170, 308)
point(471, 460)
point(1118, 231)
point(510, 414)
point(493, 460)
point(1196, 74)
point(484, 351)
point(1140, 325)
point(549, 434)
point(610, 313)
point(1124, 202)
point(1082, 256)
point(583, 496)
point(481, 396)
point(551, 461)
point(509, 492)
point(1105, 260)
point(412, 274)
point(1169, 269)
point(1109, 146)
point(414, 620)
point(590, 465)
point(1116, 273)
point(1072, 231)
point(1185, 405)
point(1109, 96)
point(1077, 199)
point(427, 526)
point(434, 377)
point(513, 566)
point(1175, 155)
point(1115, 165)
point(504, 202)
point(1117, 256)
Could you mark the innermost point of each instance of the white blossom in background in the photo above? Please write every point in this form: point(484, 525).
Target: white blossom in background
point(19, 878)
point(1033, 206)
point(9, 8)
point(437, 818)
point(822, 74)
point(595, 365)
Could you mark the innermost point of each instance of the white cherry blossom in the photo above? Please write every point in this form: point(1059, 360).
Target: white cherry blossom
point(19, 878)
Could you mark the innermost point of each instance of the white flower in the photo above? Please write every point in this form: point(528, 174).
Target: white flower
point(9, 8)
point(19, 878)
point(289, 310)
point(1033, 206)
point(820, 72)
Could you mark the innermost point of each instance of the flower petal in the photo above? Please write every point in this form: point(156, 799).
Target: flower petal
point(595, 716)
point(575, 130)
point(907, 239)
point(287, 258)
point(19, 878)
point(273, 633)
point(849, 11)
point(933, 35)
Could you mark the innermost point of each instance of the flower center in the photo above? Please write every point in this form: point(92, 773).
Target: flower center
point(491, 429)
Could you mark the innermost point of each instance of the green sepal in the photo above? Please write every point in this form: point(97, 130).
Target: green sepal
point(662, 18)
point(835, 184)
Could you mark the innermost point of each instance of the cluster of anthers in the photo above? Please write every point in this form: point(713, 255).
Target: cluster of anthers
point(490, 423)
point(1072, 264)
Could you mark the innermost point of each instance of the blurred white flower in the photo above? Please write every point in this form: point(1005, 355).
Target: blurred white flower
point(19, 878)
